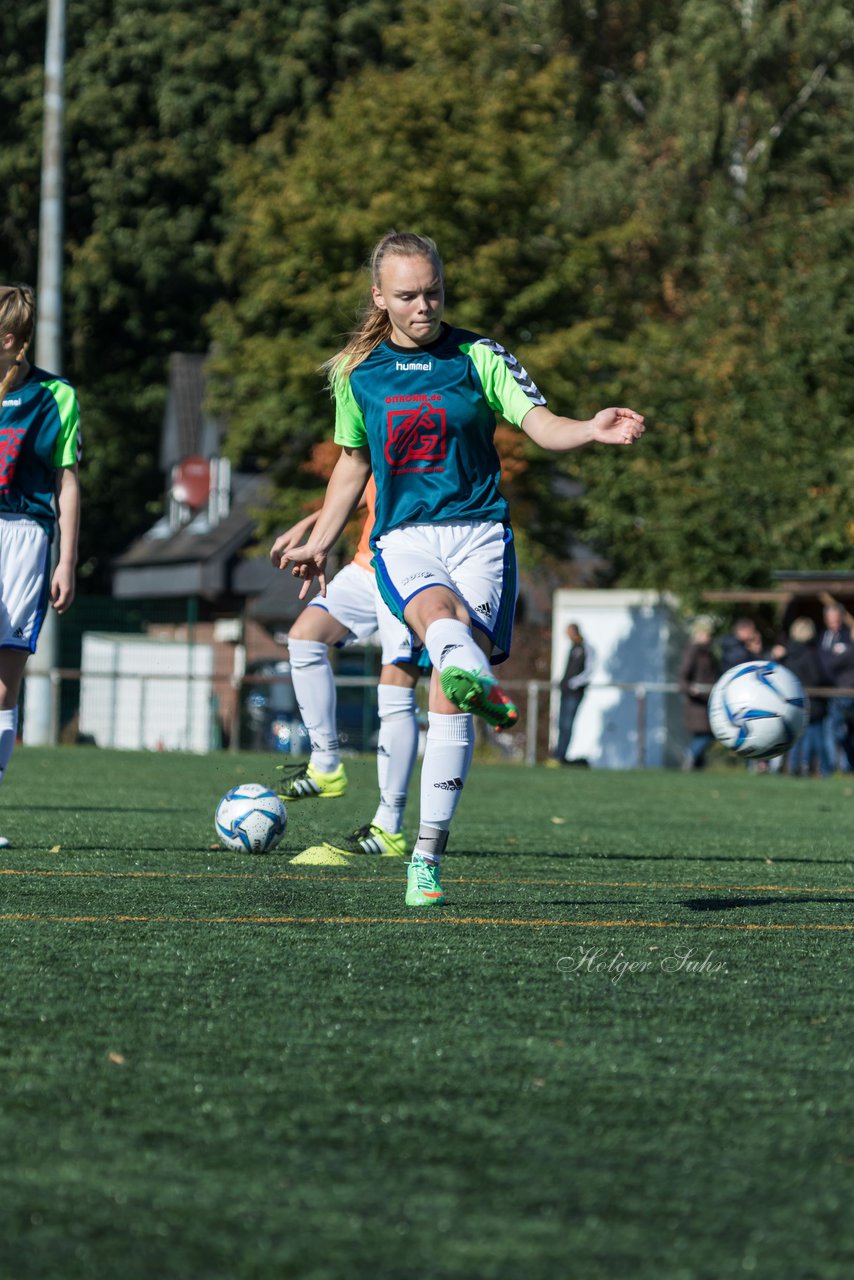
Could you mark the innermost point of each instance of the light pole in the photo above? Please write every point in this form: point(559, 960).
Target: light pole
point(39, 724)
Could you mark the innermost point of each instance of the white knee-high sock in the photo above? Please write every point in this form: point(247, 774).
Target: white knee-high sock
point(396, 751)
point(444, 769)
point(314, 687)
point(450, 643)
point(8, 733)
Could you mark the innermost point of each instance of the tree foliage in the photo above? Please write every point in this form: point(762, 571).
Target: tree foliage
point(161, 98)
point(648, 202)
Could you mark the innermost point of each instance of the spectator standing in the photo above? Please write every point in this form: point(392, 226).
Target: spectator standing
point(804, 659)
point(835, 648)
point(698, 671)
point(837, 653)
point(745, 644)
point(576, 677)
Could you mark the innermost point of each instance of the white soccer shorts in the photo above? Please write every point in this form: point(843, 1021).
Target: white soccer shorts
point(352, 598)
point(476, 560)
point(24, 581)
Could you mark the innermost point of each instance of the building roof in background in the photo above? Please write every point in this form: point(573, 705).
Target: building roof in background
point(197, 559)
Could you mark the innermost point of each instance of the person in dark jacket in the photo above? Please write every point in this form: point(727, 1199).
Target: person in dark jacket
point(837, 654)
point(576, 677)
point(745, 644)
point(698, 671)
point(742, 644)
point(804, 659)
point(838, 659)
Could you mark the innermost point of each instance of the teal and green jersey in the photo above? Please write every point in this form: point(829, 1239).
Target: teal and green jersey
point(39, 432)
point(428, 416)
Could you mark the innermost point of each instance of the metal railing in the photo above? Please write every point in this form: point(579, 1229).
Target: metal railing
point(226, 710)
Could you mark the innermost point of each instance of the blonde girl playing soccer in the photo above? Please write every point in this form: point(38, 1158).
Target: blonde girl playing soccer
point(39, 452)
point(416, 403)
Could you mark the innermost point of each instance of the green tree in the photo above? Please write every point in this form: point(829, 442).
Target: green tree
point(471, 141)
point(744, 168)
point(161, 98)
point(649, 202)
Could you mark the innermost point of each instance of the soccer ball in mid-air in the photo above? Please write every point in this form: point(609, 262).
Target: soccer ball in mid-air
point(758, 709)
point(250, 818)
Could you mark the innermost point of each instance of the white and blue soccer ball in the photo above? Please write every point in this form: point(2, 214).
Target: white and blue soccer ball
point(250, 818)
point(758, 709)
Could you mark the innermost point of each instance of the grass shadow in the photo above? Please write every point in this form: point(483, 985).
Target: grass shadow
point(729, 904)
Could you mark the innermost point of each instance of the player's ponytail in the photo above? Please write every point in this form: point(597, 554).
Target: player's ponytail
point(17, 316)
point(374, 325)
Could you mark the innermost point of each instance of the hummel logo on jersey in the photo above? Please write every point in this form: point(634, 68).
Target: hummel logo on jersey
point(420, 365)
point(485, 609)
point(12, 404)
point(453, 784)
point(449, 648)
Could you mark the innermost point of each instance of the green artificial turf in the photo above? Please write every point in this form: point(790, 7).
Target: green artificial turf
point(623, 1048)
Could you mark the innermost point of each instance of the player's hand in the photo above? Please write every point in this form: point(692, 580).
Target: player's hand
point(62, 588)
point(618, 426)
point(306, 564)
point(291, 538)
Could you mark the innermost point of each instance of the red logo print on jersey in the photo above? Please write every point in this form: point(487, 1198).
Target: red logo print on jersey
point(11, 439)
point(416, 438)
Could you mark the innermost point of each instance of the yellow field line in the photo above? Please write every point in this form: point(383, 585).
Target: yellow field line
point(437, 918)
point(332, 875)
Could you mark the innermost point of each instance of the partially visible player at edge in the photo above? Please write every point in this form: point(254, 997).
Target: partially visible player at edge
point(416, 401)
point(353, 610)
point(39, 452)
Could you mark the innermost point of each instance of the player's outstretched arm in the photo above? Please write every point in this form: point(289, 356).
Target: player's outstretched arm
point(345, 488)
point(609, 426)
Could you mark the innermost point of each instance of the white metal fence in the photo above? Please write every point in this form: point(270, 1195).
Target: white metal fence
point(195, 712)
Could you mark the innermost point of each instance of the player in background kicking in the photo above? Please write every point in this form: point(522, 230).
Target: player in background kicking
point(352, 611)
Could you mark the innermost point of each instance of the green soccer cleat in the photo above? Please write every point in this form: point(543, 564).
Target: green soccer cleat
point(422, 884)
point(304, 782)
point(370, 840)
point(481, 694)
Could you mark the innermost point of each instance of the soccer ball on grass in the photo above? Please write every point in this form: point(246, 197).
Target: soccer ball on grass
point(758, 709)
point(250, 818)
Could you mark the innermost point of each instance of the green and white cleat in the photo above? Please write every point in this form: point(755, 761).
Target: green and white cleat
point(304, 782)
point(422, 884)
point(369, 841)
point(373, 840)
point(481, 694)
